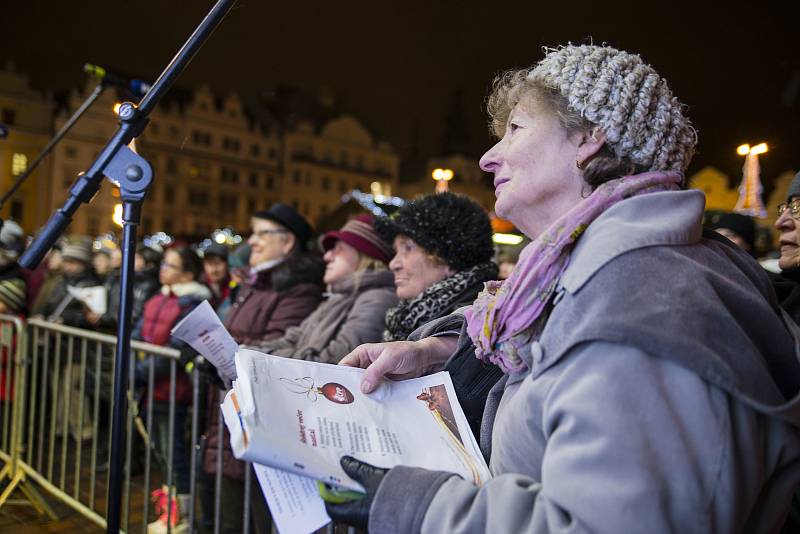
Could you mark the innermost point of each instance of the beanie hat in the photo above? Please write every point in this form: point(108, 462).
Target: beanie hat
point(794, 188)
point(450, 226)
point(627, 98)
point(741, 225)
point(289, 218)
point(216, 250)
point(12, 294)
point(78, 250)
point(12, 238)
point(360, 234)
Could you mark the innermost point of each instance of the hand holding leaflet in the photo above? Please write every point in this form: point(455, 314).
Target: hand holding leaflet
point(95, 297)
point(206, 334)
point(302, 417)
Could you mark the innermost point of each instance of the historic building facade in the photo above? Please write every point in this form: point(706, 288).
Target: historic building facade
point(26, 116)
point(214, 163)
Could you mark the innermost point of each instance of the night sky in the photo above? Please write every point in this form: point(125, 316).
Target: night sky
point(397, 64)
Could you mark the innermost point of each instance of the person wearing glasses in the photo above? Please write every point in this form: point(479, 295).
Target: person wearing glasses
point(787, 283)
point(283, 287)
point(651, 382)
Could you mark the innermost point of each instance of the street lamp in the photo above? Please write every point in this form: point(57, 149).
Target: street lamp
point(117, 215)
point(442, 177)
point(750, 202)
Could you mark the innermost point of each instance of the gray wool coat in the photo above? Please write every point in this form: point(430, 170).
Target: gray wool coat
point(662, 396)
point(352, 315)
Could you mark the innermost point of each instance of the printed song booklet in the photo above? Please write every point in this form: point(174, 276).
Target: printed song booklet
point(296, 419)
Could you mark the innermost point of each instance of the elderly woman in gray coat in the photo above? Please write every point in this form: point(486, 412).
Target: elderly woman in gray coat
point(360, 291)
point(651, 380)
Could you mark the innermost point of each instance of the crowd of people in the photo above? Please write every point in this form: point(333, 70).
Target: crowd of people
point(632, 371)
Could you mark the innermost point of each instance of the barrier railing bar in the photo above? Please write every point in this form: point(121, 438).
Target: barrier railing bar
point(193, 452)
point(170, 446)
point(54, 403)
point(68, 386)
point(95, 422)
point(32, 397)
point(148, 442)
point(43, 386)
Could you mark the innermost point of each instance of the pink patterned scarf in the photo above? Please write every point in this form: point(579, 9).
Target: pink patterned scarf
point(499, 321)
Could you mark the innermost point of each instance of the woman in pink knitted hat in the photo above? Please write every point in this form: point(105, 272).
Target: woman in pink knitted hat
point(360, 291)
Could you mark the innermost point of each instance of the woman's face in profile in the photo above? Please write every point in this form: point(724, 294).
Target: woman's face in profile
point(341, 261)
point(414, 270)
point(535, 176)
point(788, 236)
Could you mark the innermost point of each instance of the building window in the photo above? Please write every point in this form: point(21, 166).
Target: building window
point(344, 160)
point(253, 179)
point(70, 152)
point(308, 178)
point(272, 153)
point(326, 183)
point(270, 182)
point(255, 151)
point(147, 225)
point(230, 144)
point(201, 138)
point(296, 177)
point(19, 162)
point(154, 129)
point(16, 210)
point(169, 194)
point(360, 163)
point(342, 186)
point(229, 176)
point(228, 203)
point(251, 205)
point(93, 225)
point(171, 166)
point(173, 132)
point(198, 197)
point(295, 204)
point(306, 208)
point(9, 116)
point(167, 225)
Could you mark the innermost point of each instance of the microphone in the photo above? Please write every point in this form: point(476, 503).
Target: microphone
point(138, 87)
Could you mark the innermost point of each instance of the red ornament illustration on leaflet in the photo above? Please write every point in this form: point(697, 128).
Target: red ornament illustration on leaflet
point(332, 391)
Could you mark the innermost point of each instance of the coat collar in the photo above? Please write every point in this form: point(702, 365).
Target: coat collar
point(662, 218)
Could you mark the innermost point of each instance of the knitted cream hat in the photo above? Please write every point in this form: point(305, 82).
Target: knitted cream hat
point(625, 97)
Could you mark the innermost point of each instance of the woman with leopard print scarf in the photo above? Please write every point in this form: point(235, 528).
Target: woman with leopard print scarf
point(443, 257)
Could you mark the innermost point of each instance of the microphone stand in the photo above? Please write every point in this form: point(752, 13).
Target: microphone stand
point(133, 174)
point(95, 94)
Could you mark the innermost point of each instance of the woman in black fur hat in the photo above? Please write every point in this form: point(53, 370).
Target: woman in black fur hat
point(443, 256)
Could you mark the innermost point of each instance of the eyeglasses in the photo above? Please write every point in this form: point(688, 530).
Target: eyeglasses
point(269, 231)
point(793, 207)
point(165, 265)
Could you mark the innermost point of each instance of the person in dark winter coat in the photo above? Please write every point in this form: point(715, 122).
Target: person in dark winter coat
point(180, 293)
point(283, 288)
point(146, 284)
point(443, 257)
point(12, 279)
point(77, 272)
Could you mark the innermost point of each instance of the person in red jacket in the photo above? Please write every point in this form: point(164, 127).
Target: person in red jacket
point(180, 293)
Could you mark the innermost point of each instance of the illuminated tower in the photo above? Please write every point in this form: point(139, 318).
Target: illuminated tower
point(750, 202)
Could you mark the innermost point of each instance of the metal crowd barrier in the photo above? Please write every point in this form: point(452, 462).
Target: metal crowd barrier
point(57, 387)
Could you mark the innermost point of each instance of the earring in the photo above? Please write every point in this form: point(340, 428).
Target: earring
point(579, 164)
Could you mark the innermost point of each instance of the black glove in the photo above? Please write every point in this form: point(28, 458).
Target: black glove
point(356, 513)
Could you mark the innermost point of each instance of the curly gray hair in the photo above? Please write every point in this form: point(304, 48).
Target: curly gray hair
point(586, 86)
